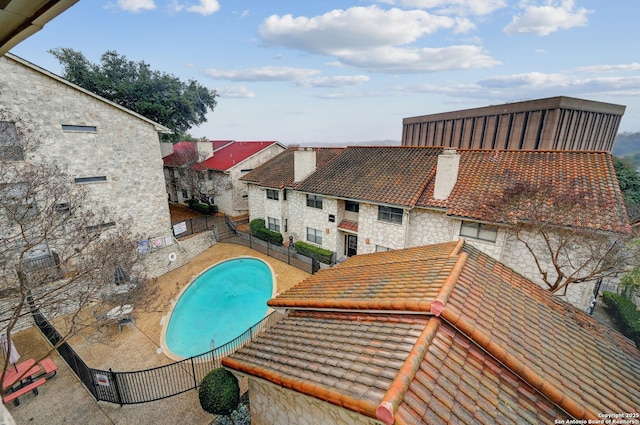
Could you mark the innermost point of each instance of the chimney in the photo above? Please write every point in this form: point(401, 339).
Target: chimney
point(204, 150)
point(304, 163)
point(446, 173)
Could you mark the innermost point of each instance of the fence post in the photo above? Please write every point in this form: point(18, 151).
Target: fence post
point(114, 379)
point(193, 371)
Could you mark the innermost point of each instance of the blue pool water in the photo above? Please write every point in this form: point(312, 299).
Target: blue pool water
point(219, 305)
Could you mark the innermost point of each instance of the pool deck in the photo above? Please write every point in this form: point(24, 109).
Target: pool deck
point(64, 400)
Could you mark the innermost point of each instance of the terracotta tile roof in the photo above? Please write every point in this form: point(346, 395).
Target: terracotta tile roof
point(502, 350)
point(388, 175)
point(233, 153)
point(487, 174)
point(348, 225)
point(278, 172)
point(405, 176)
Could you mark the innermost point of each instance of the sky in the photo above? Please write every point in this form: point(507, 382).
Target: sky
point(333, 72)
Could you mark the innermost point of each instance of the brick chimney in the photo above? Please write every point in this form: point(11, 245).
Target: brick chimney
point(446, 173)
point(204, 150)
point(304, 163)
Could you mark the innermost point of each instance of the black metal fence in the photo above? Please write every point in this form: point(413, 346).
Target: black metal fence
point(195, 225)
point(285, 254)
point(152, 384)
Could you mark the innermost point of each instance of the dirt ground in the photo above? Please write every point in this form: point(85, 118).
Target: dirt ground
point(63, 400)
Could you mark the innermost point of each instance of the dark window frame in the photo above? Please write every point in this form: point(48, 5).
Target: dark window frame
point(91, 179)
point(313, 235)
point(314, 201)
point(352, 206)
point(72, 128)
point(390, 214)
point(273, 224)
point(273, 194)
point(479, 231)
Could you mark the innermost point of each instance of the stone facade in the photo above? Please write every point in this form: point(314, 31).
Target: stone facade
point(117, 151)
point(419, 227)
point(272, 404)
point(124, 147)
point(224, 187)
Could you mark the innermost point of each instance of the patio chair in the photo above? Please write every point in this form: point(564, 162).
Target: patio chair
point(125, 321)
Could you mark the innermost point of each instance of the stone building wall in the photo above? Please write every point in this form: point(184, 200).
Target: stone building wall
point(272, 404)
point(123, 147)
point(302, 216)
point(373, 232)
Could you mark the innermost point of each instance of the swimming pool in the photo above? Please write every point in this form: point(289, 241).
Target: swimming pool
point(221, 304)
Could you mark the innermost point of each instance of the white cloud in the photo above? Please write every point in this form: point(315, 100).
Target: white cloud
point(416, 60)
point(336, 81)
point(267, 73)
point(610, 68)
point(551, 17)
point(136, 5)
point(236, 92)
point(205, 7)
point(354, 28)
point(300, 76)
point(375, 39)
point(459, 7)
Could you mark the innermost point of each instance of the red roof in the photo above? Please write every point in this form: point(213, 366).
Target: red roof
point(182, 151)
point(226, 153)
point(233, 153)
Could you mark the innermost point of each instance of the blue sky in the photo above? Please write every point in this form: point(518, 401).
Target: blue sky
point(344, 72)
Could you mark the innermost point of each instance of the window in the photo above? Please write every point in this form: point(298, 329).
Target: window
point(10, 148)
point(246, 170)
point(351, 206)
point(101, 226)
point(390, 214)
point(62, 208)
point(380, 248)
point(210, 174)
point(93, 179)
point(314, 235)
point(483, 232)
point(185, 194)
point(274, 224)
point(273, 194)
point(286, 225)
point(314, 201)
point(80, 128)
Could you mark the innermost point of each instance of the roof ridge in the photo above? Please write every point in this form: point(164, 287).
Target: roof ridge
point(400, 384)
point(439, 303)
point(547, 388)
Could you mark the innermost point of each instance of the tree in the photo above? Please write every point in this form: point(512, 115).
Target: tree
point(56, 246)
point(156, 95)
point(629, 182)
point(555, 228)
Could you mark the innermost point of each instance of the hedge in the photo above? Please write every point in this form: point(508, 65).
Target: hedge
point(625, 314)
point(202, 208)
point(317, 253)
point(259, 230)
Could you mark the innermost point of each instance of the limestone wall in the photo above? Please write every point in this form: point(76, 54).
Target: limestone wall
point(157, 263)
point(372, 232)
point(302, 216)
point(123, 147)
point(272, 404)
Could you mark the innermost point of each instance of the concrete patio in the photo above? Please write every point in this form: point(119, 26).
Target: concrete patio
point(64, 400)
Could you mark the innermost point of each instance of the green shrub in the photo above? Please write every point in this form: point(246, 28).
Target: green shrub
point(625, 314)
point(202, 208)
point(320, 254)
point(219, 392)
point(261, 232)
